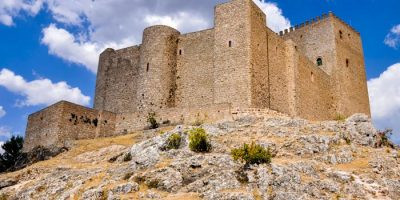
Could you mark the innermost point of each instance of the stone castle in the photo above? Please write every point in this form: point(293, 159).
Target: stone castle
point(314, 71)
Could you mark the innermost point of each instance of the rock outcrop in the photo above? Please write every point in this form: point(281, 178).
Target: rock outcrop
point(311, 160)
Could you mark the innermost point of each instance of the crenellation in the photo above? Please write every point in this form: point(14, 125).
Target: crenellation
point(314, 70)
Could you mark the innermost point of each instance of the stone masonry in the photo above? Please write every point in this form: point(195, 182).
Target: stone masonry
point(314, 70)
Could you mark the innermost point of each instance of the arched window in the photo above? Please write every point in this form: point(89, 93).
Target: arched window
point(147, 67)
point(347, 62)
point(230, 43)
point(319, 61)
point(341, 34)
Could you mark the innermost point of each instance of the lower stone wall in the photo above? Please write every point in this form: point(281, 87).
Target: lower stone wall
point(190, 115)
point(64, 121)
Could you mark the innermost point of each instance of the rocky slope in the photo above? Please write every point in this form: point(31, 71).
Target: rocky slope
point(312, 160)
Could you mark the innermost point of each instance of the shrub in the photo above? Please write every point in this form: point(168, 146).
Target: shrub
point(252, 154)
point(151, 119)
point(127, 157)
point(340, 117)
point(198, 140)
point(383, 138)
point(174, 141)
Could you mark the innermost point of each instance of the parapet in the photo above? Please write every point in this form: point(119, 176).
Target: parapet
point(313, 21)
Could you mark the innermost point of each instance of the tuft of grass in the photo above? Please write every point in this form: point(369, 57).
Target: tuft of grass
point(151, 119)
point(252, 154)
point(174, 141)
point(128, 157)
point(339, 117)
point(153, 184)
point(127, 176)
point(198, 140)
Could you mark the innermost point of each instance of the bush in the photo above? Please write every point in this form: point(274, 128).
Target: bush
point(198, 140)
point(12, 153)
point(127, 157)
point(151, 119)
point(340, 117)
point(383, 139)
point(252, 154)
point(174, 141)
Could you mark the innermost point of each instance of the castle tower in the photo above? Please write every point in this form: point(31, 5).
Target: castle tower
point(157, 71)
point(240, 39)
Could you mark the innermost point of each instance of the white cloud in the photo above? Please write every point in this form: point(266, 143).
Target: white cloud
point(392, 39)
point(1, 148)
point(384, 94)
point(275, 19)
point(13, 8)
point(91, 26)
point(2, 112)
point(40, 91)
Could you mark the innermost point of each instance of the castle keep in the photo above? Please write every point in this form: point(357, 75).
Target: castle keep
point(314, 70)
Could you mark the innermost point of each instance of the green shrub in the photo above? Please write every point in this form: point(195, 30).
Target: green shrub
point(127, 157)
point(340, 117)
point(252, 154)
point(198, 140)
point(151, 119)
point(174, 141)
point(383, 139)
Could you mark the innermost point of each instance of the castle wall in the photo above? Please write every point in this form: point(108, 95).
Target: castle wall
point(129, 122)
point(349, 76)
point(42, 127)
point(314, 100)
point(279, 76)
point(259, 60)
point(232, 75)
point(195, 64)
point(316, 40)
point(66, 121)
point(117, 80)
point(157, 72)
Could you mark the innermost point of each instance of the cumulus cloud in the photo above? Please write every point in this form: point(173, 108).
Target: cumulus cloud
point(41, 91)
point(392, 39)
point(2, 112)
point(12, 8)
point(384, 94)
point(1, 148)
point(91, 26)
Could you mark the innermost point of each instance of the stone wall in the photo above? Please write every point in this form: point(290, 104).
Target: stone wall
point(195, 65)
point(117, 80)
point(349, 76)
point(129, 122)
point(66, 121)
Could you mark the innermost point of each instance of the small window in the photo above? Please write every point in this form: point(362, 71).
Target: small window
point(148, 67)
point(312, 76)
point(319, 62)
point(347, 62)
point(295, 47)
point(180, 51)
point(301, 36)
point(341, 34)
point(230, 43)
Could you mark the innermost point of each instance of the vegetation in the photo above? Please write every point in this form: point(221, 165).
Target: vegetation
point(383, 139)
point(198, 140)
point(252, 154)
point(340, 117)
point(151, 119)
point(127, 157)
point(12, 153)
point(174, 141)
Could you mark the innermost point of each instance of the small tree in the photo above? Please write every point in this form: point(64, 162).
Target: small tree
point(12, 152)
point(383, 138)
point(198, 140)
point(252, 154)
point(151, 119)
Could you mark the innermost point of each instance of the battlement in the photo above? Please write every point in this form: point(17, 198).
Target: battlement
point(313, 21)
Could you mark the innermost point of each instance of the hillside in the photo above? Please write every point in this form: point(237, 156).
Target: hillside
point(311, 160)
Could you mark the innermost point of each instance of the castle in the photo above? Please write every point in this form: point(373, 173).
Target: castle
point(314, 71)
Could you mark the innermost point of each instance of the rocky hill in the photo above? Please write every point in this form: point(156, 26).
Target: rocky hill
point(344, 159)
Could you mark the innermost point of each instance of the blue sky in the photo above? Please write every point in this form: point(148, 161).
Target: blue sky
point(49, 48)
